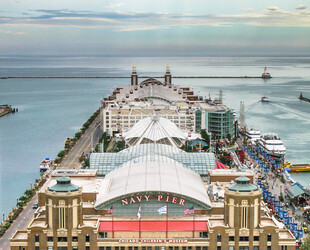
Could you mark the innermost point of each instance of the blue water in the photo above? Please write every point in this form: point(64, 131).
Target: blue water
point(51, 110)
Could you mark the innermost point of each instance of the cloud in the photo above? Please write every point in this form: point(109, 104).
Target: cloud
point(135, 21)
point(247, 9)
point(14, 33)
point(300, 7)
point(273, 8)
point(115, 5)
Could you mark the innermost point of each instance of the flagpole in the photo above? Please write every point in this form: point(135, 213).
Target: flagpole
point(139, 221)
point(167, 221)
point(194, 223)
point(113, 221)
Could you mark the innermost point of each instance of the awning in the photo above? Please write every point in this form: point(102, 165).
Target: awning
point(152, 226)
point(220, 165)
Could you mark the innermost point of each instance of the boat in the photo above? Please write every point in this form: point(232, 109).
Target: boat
point(253, 135)
point(45, 164)
point(264, 99)
point(272, 144)
point(296, 167)
point(266, 75)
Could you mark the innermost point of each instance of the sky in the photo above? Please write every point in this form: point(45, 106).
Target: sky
point(155, 28)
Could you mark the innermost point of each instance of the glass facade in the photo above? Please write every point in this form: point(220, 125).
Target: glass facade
point(198, 120)
point(198, 162)
point(220, 124)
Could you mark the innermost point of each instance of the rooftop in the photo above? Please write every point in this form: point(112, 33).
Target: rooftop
point(64, 185)
point(155, 129)
point(243, 185)
point(106, 162)
point(151, 176)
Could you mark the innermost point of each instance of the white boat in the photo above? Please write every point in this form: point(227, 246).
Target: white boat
point(272, 144)
point(253, 135)
point(264, 99)
point(45, 164)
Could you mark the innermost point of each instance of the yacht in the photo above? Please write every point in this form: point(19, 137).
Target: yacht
point(272, 144)
point(46, 164)
point(253, 135)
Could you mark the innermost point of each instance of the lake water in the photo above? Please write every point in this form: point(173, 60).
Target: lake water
point(50, 110)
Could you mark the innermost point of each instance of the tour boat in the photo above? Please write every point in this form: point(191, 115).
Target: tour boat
point(272, 144)
point(253, 135)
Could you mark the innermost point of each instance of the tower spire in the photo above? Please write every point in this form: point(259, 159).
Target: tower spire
point(134, 76)
point(168, 75)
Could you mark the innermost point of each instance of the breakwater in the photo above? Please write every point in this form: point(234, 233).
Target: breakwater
point(127, 77)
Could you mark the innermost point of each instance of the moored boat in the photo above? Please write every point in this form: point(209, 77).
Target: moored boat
point(296, 167)
point(253, 135)
point(272, 144)
point(45, 164)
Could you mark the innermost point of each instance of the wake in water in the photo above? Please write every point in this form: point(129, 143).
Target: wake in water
point(251, 106)
point(295, 113)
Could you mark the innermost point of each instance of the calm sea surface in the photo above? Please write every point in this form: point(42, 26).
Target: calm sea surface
point(50, 110)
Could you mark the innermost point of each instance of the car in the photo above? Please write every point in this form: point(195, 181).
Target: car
point(35, 205)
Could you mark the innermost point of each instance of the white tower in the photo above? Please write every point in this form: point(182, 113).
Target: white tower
point(134, 76)
point(168, 75)
point(241, 115)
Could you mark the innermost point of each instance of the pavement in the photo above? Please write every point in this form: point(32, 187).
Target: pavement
point(276, 187)
point(20, 223)
point(84, 145)
point(87, 141)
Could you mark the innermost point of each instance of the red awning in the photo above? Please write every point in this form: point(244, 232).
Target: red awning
point(153, 226)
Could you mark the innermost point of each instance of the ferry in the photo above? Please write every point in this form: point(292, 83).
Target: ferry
point(253, 135)
point(46, 164)
point(296, 167)
point(264, 99)
point(272, 144)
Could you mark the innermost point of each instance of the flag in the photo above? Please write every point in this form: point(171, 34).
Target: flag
point(189, 211)
point(162, 210)
point(139, 212)
point(110, 210)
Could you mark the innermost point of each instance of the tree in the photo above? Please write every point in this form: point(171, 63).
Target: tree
point(306, 243)
point(205, 136)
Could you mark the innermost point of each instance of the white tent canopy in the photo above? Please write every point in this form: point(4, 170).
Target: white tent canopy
point(155, 130)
